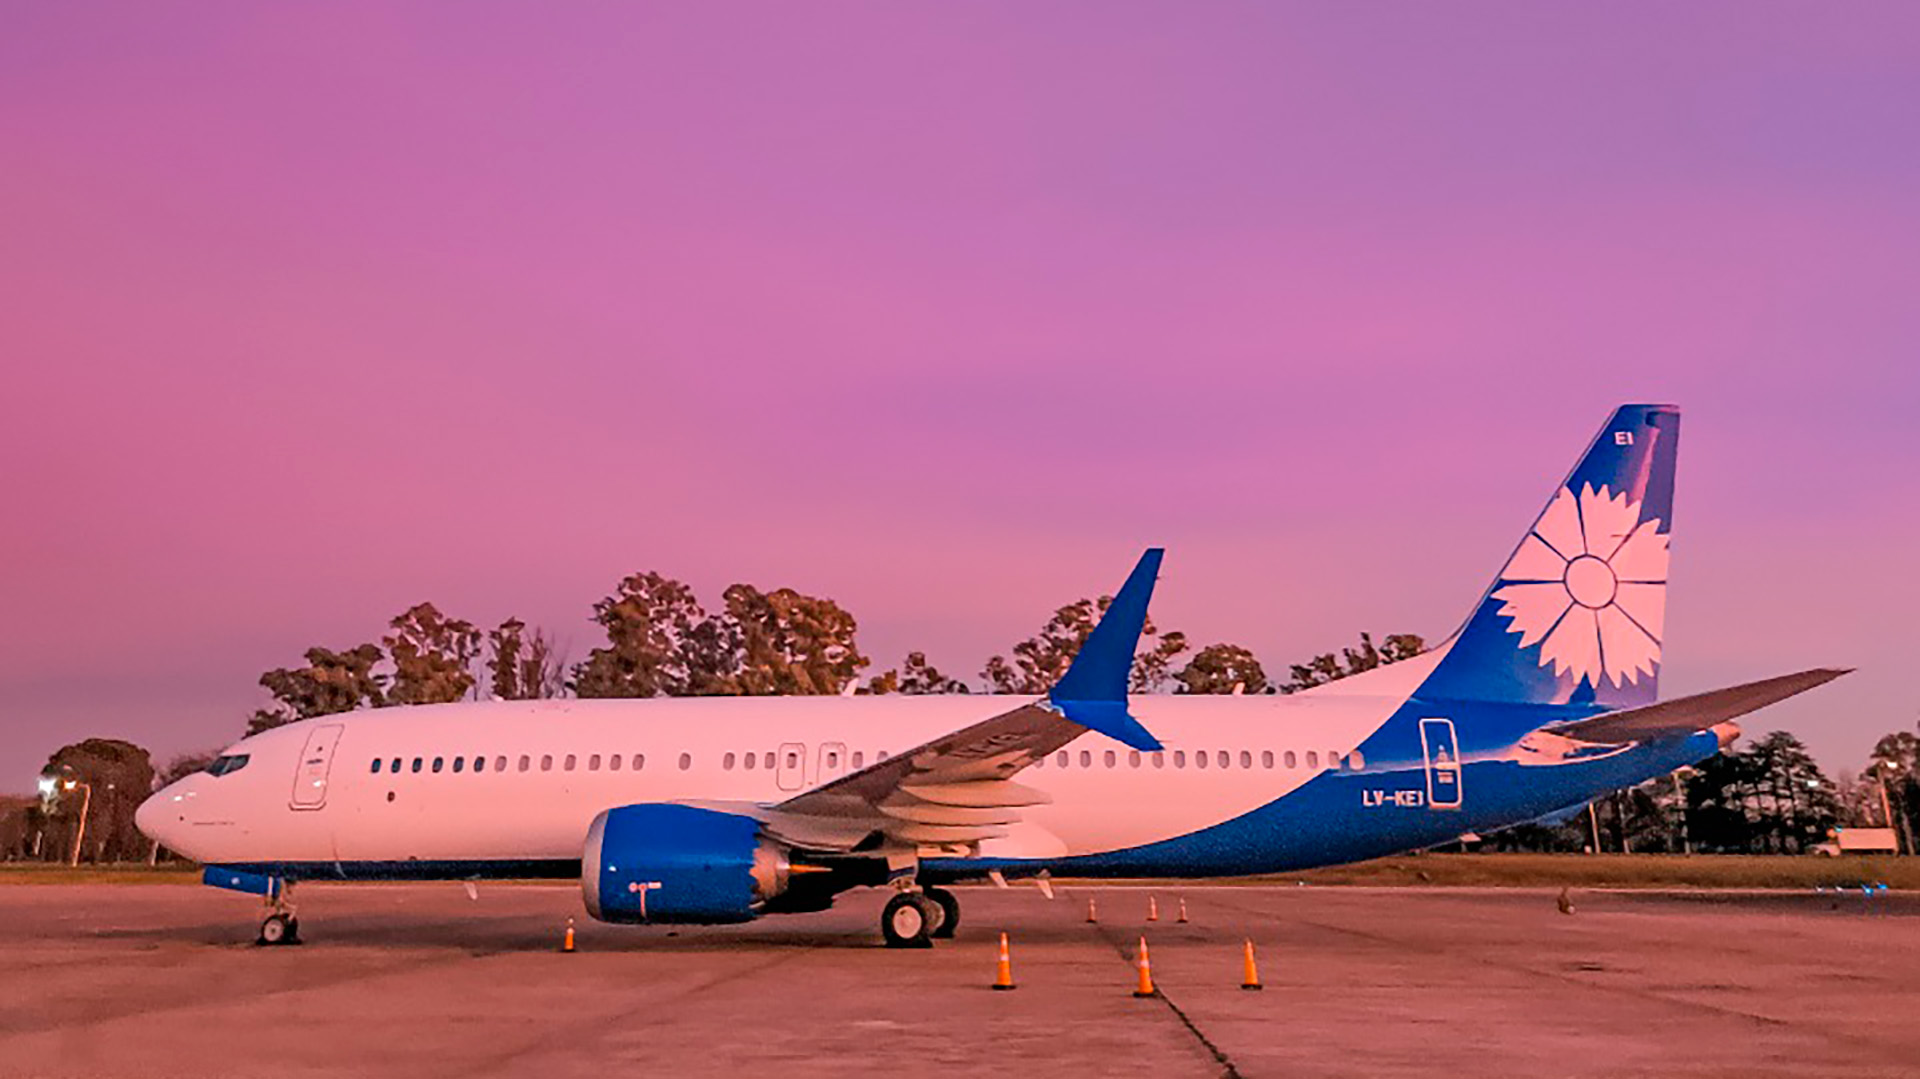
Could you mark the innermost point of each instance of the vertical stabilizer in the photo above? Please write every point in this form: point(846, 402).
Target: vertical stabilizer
point(1576, 616)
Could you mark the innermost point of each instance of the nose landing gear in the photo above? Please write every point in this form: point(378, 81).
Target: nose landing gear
point(282, 924)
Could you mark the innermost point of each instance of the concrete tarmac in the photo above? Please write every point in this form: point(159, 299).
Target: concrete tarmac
point(419, 980)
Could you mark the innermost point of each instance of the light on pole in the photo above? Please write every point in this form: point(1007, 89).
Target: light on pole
point(86, 803)
point(1878, 768)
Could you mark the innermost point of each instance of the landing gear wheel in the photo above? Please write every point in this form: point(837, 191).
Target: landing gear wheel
point(279, 929)
point(908, 921)
point(949, 907)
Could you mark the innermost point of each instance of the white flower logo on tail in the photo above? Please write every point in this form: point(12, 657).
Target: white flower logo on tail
point(1590, 581)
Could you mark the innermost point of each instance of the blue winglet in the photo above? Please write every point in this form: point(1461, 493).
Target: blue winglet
point(1093, 692)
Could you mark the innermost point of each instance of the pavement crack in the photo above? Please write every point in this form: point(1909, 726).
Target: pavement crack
point(1228, 1070)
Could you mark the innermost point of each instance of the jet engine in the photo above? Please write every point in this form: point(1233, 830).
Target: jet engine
point(663, 863)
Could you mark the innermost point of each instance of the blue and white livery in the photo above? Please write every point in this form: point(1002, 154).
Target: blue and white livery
point(712, 810)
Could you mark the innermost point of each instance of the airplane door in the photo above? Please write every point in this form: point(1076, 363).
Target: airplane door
point(316, 761)
point(833, 762)
point(793, 766)
point(1443, 763)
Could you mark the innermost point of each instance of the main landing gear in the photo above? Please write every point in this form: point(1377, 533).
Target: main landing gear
point(281, 925)
point(913, 918)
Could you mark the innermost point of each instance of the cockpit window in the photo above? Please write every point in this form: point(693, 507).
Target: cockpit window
point(227, 765)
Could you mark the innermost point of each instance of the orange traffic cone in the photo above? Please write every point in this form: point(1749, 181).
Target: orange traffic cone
point(1093, 912)
point(1153, 909)
point(1145, 988)
point(1250, 976)
point(566, 942)
point(1183, 910)
point(1003, 978)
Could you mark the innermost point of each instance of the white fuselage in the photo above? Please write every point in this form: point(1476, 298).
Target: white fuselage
point(312, 792)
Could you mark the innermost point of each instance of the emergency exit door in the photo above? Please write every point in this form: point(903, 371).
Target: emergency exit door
point(1443, 763)
point(316, 762)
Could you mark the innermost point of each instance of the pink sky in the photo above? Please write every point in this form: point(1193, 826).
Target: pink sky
point(943, 311)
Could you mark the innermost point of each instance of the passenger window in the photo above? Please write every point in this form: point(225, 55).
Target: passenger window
point(859, 758)
point(395, 766)
point(570, 762)
point(418, 763)
point(613, 762)
point(1246, 758)
point(749, 760)
point(459, 764)
point(639, 761)
point(593, 763)
point(1200, 758)
point(1355, 761)
point(437, 762)
point(526, 762)
point(1062, 759)
point(1133, 759)
point(1086, 758)
point(726, 762)
point(1225, 758)
point(1292, 761)
point(1179, 758)
point(1313, 759)
point(1112, 758)
point(479, 763)
point(686, 761)
point(793, 759)
point(1333, 759)
point(833, 759)
point(880, 756)
point(376, 765)
point(499, 764)
point(546, 762)
point(1160, 759)
point(1266, 758)
point(768, 761)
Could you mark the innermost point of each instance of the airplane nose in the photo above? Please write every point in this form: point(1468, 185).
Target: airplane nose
point(153, 818)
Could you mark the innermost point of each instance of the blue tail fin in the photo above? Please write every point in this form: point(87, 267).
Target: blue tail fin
point(1576, 615)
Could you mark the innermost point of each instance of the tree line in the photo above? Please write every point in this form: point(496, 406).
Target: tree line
point(659, 640)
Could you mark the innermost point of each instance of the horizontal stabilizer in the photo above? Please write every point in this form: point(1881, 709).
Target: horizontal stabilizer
point(1689, 714)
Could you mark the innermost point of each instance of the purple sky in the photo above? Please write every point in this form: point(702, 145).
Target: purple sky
point(311, 313)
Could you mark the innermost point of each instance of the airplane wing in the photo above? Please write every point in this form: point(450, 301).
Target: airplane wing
point(1689, 714)
point(956, 791)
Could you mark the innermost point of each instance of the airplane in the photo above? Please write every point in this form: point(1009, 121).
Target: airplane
point(715, 810)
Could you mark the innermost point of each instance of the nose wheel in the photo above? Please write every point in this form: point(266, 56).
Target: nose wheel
point(279, 929)
point(281, 925)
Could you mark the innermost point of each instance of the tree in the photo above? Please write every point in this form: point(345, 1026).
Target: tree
point(1325, 668)
point(915, 677)
point(1039, 661)
point(185, 764)
point(1896, 762)
point(432, 656)
point(120, 775)
point(650, 621)
point(523, 666)
point(330, 683)
point(1799, 802)
point(789, 644)
point(1219, 668)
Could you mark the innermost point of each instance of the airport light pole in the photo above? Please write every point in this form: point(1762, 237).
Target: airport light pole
point(1680, 801)
point(1878, 768)
point(86, 804)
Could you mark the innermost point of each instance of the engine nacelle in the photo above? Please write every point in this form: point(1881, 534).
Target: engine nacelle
point(661, 863)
